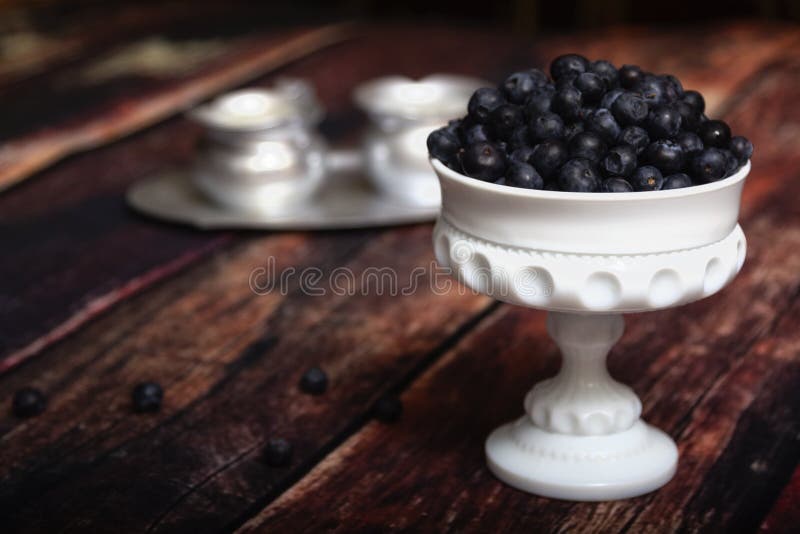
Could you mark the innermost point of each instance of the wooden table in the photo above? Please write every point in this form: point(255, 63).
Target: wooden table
point(95, 299)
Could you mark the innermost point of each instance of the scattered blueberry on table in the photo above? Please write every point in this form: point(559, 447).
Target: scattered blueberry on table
point(314, 381)
point(387, 409)
point(590, 127)
point(278, 452)
point(28, 402)
point(147, 397)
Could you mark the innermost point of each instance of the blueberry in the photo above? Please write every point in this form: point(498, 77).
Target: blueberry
point(578, 175)
point(504, 120)
point(453, 126)
point(475, 133)
point(742, 148)
point(522, 154)
point(567, 102)
point(501, 181)
point(647, 178)
point(629, 109)
point(147, 397)
point(551, 185)
point(278, 452)
point(539, 101)
point(663, 122)
point(483, 102)
point(695, 99)
point(619, 161)
point(674, 85)
point(607, 72)
point(602, 122)
point(571, 129)
point(690, 142)
point(546, 126)
point(519, 86)
point(653, 91)
point(629, 76)
point(444, 146)
point(690, 119)
point(636, 137)
point(616, 185)
point(677, 181)
point(731, 163)
point(709, 165)
point(568, 66)
point(28, 402)
point(666, 155)
point(591, 87)
point(387, 409)
point(587, 145)
point(314, 381)
point(519, 138)
point(483, 161)
point(549, 156)
point(715, 134)
point(608, 99)
point(523, 175)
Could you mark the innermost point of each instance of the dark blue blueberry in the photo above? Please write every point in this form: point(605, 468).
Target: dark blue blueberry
point(587, 145)
point(629, 76)
point(607, 72)
point(674, 86)
point(690, 119)
point(523, 154)
point(444, 146)
point(505, 119)
point(28, 402)
point(732, 163)
point(636, 137)
point(551, 185)
point(387, 409)
point(147, 397)
point(314, 381)
point(677, 181)
point(591, 87)
point(619, 161)
point(578, 175)
point(520, 85)
point(653, 90)
point(663, 122)
point(568, 66)
point(629, 109)
point(546, 126)
point(523, 175)
point(715, 134)
point(602, 122)
point(501, 181)
point(483, 102)
point(694, 99)
point(742, 148)
point(647, 178)
point(278, 452)
point(539, 101)
point(567, 102)
point(475, 133)
point(549, 156)
point(709, 165)
point(690, 143)
point(454, 126)
point(666, 155)
point(571, 129)
point(483, 161)
point(519, 138)
point(608, 99)
point(616, 185)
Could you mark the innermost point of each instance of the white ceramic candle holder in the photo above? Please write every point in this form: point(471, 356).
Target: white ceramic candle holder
point(587, 258)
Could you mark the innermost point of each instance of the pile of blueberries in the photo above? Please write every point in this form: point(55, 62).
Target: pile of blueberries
point(593, 127)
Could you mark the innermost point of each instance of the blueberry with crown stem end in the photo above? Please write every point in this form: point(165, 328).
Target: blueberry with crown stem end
point(387, 409)
point(715, 134)
point(742, 148)
point(28, 402)
point(610, 97)
point(653, 90)
point(587, 145)
point(695, 100)
point(549, 156)
point(314, 381)
point(591, 87)
point(620, 161)
point(666, 155)
point(616, 184)
point(607, 72)
point(444, 146)
point(519, 86)
point(663, 122)
point(677, 181)
point(709, 165)
point(602, 122)
point(647, 178)
point(539, 101)
point(504, 120)
point(546, 126)
point(147, 397)
point(629, 76)
point(578, 175)
point(629, 109)
point(278, 452)
point(636, 137)
point(571, 129)
point(483, 102)
point(523, 154)
point(523, 175)
point(483, 161)
point(690, 143)
point(568, 66)
point(568, 102)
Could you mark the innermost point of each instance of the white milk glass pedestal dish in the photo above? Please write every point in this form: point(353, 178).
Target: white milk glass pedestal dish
point(587, 258)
